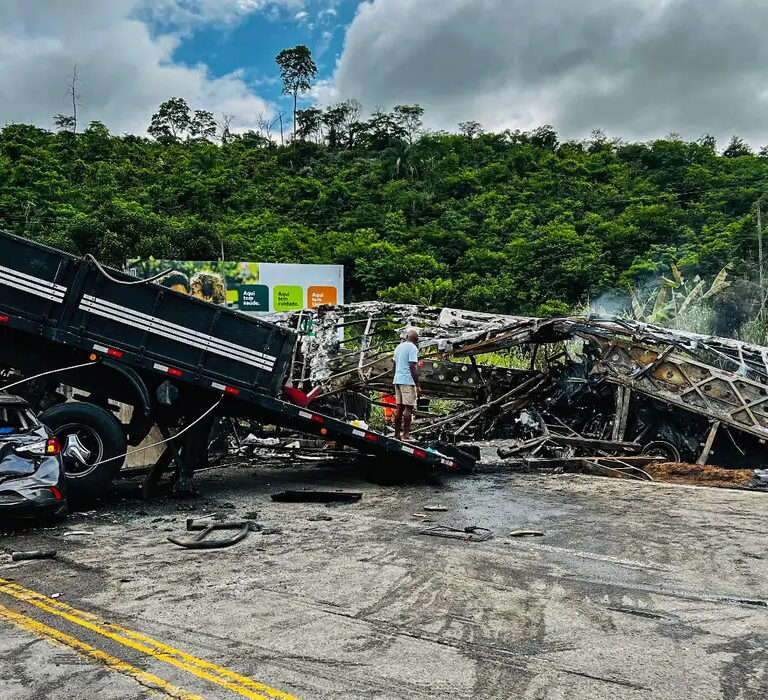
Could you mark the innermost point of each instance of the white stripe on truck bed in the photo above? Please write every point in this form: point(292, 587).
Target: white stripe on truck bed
point(171, 331)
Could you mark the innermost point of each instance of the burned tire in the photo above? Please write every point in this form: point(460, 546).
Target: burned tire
point(661, 448)
point(101, 434)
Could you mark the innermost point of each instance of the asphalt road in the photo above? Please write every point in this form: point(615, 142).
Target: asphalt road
point(636, 591)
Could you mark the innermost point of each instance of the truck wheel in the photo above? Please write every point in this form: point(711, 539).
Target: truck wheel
point(101, 434)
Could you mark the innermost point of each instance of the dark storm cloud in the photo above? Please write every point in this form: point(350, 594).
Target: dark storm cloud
point(636, 68)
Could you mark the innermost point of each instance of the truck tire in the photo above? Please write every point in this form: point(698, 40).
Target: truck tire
point(101, 433)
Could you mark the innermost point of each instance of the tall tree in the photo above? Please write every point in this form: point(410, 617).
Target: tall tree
point(334, 119)
point(297, 70)
point(202, 125)
point(281, 120)
point(265, 123)
point(471, 129)
point(352, 124)
point(737, 147)
point(225, 124)
point(383, 129)
point(65, 122)
point(308, 122)
point(171, 120)
point(410, 118)
point(545, 137)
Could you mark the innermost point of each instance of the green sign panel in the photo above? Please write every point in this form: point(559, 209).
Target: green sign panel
point(287, 297)
point(253, 297)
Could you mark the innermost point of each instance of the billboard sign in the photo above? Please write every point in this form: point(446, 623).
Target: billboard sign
point(255, 288)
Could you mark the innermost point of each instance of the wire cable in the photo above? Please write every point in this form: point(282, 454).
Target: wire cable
point(161, 442)
point(106, 274)
point(45, 374)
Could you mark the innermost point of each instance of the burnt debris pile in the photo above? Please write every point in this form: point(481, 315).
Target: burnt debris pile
point(614, 391)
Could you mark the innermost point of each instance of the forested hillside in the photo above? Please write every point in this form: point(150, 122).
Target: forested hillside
point(510, 222)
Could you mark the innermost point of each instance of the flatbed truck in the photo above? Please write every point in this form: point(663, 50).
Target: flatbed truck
point(168, 355)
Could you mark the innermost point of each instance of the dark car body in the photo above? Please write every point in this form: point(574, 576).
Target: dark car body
point(32, 480)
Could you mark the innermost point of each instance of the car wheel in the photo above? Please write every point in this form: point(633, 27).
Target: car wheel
point(101, 434)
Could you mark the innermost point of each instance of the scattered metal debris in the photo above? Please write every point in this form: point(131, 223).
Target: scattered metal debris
point(308, 496)
point(36, 554)
point(473, 533)
point(436, 508)
point(526, 533)
point(201, 542)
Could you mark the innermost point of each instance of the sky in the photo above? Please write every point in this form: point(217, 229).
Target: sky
point(637, 69)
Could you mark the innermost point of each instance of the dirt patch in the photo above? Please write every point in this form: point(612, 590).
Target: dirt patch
point(678, 473)
point(700, 475)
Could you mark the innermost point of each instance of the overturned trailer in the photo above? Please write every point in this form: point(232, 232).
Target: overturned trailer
point(554, 387)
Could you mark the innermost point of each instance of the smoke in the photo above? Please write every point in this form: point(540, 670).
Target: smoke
point(611, 303)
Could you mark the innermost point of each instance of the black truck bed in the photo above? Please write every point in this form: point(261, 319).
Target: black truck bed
point(69, 301)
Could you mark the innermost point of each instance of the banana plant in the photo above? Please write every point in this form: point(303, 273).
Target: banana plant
point(675, 296)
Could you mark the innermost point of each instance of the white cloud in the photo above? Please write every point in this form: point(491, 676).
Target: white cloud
point(301, 16)
point(188, 13)
point(637, 68)
point(125, 71)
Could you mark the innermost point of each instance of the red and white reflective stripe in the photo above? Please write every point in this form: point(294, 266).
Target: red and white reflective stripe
point(311, 416)
point(169, 370)
point(371, 437)
point(225, 388)
point(407, 449)
point(3, 319)
point(108, 351)
point(359, 433)
point(419, 453)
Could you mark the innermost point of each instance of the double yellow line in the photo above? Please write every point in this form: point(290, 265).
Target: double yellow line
point(241, 685)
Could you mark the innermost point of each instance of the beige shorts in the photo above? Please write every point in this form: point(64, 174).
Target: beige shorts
point(405, 394)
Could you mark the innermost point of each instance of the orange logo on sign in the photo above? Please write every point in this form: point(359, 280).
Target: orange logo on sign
point(317, 296)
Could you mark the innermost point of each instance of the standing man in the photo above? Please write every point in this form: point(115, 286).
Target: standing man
point(405, 363)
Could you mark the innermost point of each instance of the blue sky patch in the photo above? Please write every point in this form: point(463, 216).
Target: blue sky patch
point(250, 42)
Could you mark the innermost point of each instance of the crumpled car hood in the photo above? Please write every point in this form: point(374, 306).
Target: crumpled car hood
point(12, 464)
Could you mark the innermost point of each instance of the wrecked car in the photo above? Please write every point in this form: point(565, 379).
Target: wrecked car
point(32, 480)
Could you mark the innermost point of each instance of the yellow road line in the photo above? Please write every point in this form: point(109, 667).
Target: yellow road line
point(242, 685)
point(58, 638)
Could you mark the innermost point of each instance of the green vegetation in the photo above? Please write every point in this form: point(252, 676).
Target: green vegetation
point(512, 222)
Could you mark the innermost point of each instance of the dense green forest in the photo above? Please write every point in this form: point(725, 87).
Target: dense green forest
point(510, 222)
